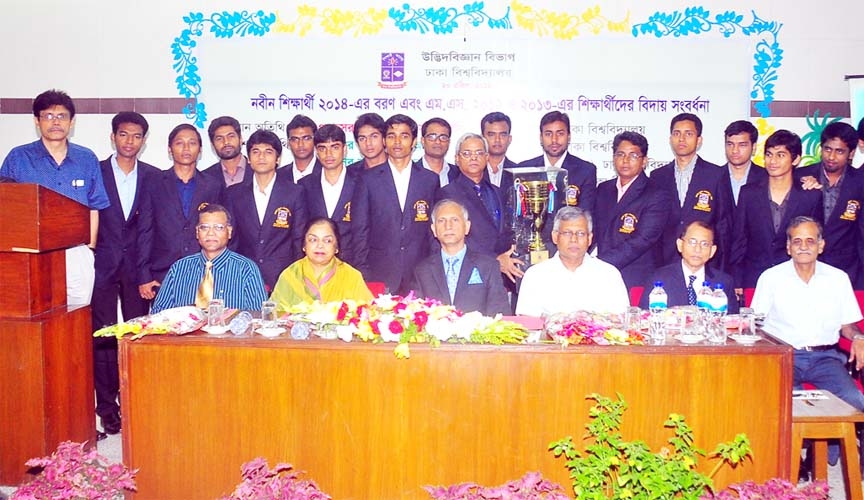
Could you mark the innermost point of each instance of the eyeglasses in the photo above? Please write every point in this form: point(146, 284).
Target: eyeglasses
point(327, 240)
point(569, 235)
point(205, 228)
point(437, 137)
point(296, 139)
point(621, 155)
point(472, 154)
point(704, 244)
point(50, 117)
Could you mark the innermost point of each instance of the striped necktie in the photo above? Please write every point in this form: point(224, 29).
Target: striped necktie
point(452, 277)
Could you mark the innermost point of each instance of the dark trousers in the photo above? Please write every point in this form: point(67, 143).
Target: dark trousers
point(103, 307)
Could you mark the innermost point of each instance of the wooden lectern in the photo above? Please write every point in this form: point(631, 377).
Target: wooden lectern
point(46, 353)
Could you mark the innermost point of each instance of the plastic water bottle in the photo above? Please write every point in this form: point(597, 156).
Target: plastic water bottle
point(704, 295)
point(657, 299)
point(720, 304)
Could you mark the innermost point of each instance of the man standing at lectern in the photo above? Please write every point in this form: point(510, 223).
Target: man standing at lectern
point(69, 169)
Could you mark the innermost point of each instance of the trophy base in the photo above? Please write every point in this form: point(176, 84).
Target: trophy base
point(538, 256)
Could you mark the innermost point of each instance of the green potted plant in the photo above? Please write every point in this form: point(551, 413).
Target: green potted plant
point(611, 468)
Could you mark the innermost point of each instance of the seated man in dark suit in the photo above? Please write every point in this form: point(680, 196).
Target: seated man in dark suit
point(458, 275)
point(682, 279)
point(765, 209)
point(630, 212)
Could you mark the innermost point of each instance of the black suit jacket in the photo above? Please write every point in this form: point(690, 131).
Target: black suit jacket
point(215, 170)
point(844, 243)
point(361, 164)
point(628, 232)
point(165, 234)
point(484, 236)
point(350, 214)
point(756, 175)
point(488, 296)
point(756, 246)
point(709, 199)
point(116, 253)
point(672, 277)
point(581, 175)
point(395, 241)
point(506, 178)
point(276, 243)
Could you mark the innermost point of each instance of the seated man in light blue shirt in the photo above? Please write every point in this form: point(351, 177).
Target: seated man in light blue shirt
point(233, 278)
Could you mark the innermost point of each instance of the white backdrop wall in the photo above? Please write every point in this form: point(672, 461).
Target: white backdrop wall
point(95, 48)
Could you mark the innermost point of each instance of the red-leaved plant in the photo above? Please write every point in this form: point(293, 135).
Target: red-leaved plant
point(774, 489)
point(260, 482)
point(531, 486)
point(72, 472)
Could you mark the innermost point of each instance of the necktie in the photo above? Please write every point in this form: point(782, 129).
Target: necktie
point(487, 196)
point(691, 292)
point(205, 289)
point(452, 276)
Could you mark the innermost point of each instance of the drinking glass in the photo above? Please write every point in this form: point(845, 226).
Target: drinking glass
point(716, 329)
point(746, 322)
point(215, 311)
point(657, 328)
point(633, 319)
point(268, 314)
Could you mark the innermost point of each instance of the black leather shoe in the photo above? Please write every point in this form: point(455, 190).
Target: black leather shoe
point(111, 423)
point(100, 436)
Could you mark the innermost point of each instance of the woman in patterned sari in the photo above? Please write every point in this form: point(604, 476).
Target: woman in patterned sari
point(319, 275)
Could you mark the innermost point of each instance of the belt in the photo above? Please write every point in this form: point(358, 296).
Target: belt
point(818, 348)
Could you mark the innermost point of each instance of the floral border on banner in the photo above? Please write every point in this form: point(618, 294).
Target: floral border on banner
point(697, 20)
point(443, 20)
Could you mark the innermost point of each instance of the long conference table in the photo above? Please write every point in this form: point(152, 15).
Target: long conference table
point(365, 425)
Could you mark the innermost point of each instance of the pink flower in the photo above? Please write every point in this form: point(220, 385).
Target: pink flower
point(396, 327)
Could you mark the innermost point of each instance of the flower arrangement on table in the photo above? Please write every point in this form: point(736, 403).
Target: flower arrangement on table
point(592, 329)
point(177, 320)
point(392, 318)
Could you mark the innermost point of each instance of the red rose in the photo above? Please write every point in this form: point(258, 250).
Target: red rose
point(343, 311)
point(374, 325)
point(396, 327)
point(399, 308)
point(420, 319)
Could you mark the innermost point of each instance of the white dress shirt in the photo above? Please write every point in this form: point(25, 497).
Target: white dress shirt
point(402, 180)
point(332, 192)
point(805, 314)
point(549, 287)
point(262, 198)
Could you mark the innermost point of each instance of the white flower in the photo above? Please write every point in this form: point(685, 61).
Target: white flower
point(345, 332)
point(441, 329)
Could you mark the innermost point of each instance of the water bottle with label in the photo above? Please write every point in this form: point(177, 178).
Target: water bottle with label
point(720, 304)
point(657, 299)
point(704, 294)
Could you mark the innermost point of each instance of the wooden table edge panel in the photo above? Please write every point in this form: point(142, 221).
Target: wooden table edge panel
point(131, 385)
